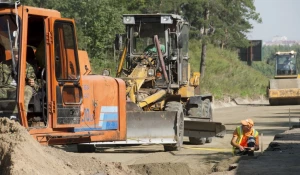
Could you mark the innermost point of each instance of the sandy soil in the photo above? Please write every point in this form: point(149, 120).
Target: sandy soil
point(22, 155)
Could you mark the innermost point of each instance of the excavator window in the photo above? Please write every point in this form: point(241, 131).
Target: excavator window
point(66, 63)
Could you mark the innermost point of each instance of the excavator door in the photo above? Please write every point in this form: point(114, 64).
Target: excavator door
point(66, 88)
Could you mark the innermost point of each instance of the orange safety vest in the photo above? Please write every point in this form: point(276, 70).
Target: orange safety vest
point(241, 134)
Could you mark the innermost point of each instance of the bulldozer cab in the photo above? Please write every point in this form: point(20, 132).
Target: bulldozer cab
point(171, 32)
point(286, 64)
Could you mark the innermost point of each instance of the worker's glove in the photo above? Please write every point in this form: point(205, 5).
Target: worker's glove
point(256, 148)
point(241, 148)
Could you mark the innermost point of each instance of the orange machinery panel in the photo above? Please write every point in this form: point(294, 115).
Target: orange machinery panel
point(84, 62)
point(103, 114)
point(103, 102)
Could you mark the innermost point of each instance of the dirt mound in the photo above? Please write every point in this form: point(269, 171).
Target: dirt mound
point(21, 154)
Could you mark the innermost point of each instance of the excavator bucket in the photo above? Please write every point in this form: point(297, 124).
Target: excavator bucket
point(151, 127)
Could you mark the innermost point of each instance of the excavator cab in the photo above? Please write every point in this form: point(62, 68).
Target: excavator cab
point(22, 29)
point(30, 41)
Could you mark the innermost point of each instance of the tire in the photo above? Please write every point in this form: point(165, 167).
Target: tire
point(206, 112)
point(197, 141)
point(201, 110)
point(179, 129)
point(86, 148)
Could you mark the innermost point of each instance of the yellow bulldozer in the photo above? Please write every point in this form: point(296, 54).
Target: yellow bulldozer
point(154, 63)
point(284, 89)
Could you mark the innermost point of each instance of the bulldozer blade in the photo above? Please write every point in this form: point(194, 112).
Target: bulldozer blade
point(203, 128)
point(151, 126)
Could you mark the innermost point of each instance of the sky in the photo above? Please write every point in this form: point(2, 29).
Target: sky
point(279, 18)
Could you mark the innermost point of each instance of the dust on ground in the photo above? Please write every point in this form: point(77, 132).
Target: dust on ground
point(20, 154)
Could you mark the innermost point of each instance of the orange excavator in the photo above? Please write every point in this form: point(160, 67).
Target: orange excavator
point(72, 105)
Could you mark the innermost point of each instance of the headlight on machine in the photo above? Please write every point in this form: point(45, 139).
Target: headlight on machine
point(166, 20)
point(150, 72)
point(128, 20)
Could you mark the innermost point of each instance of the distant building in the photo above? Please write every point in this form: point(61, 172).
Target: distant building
point(280, 40)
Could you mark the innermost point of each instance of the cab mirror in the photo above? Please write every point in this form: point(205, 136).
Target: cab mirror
point(181, 39)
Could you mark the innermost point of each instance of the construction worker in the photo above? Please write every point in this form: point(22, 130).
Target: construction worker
point(245, 138)
point(8, 83)
point(152, 48)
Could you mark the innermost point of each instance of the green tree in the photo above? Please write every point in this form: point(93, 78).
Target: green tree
point(220, 21)
point(97, 22)
point(235, 16)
